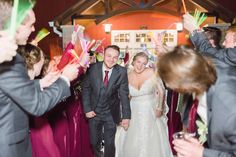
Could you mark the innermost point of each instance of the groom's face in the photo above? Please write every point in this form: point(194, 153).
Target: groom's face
point(110, 57)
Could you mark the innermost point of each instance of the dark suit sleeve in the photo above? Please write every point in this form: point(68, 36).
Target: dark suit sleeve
point(124, 95)
point(26, 93)
point(230, 134)
point(86, 92)
point(227, 55)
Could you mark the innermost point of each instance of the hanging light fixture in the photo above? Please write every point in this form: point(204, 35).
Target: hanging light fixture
point(107, 28)
point(179, 26)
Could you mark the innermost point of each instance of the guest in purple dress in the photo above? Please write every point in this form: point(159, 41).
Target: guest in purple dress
point(41, 133)
point(70, 128)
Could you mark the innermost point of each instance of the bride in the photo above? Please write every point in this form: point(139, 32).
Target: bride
point(147, 133)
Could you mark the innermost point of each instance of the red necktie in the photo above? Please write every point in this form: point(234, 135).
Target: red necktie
point(192, 117)
point(105, 81)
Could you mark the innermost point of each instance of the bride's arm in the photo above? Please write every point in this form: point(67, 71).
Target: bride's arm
point(160, 98)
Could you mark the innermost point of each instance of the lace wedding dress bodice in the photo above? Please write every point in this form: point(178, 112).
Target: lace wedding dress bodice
point(147, 88)
point(147, 135)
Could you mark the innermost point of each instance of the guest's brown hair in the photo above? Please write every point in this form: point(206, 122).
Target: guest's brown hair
point(186, 71)
point(213, 33)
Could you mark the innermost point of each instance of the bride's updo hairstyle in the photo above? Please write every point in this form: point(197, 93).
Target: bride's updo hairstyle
point(140, 54)
point(186, 71)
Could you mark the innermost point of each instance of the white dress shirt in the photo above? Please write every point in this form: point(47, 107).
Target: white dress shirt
point(103, 72)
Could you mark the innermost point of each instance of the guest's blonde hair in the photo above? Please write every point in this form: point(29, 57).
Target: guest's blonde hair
point(186, 71)
point(232, 29)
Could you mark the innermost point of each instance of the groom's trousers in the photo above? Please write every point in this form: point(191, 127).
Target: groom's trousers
point(103, 127)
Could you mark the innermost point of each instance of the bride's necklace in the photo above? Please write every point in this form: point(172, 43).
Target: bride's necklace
point(137, 75)
point(138, 80)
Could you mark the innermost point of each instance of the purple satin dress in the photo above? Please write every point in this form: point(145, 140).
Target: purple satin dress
point(42, 139)
point(70, 127)
point(174, 118)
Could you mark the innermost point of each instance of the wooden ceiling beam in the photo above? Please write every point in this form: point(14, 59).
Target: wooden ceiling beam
point(154, 2)
point(77, 8)
point(133, 9)
point(128, 2)
point(87, 17)
point(211, 6)
point(179, 6)
point(107, 6)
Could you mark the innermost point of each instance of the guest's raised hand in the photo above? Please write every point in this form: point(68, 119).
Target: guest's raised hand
point(57, 59)
point(188, 147)
point(8, 47)
point(74, 37)
point(49, 79)
point(84, 60)
point(190, 23)
point(70, 71)
point(90, 114)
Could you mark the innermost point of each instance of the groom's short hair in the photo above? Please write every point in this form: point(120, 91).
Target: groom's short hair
point(115, 47)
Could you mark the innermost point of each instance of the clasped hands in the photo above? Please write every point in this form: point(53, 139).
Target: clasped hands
point(124, 123)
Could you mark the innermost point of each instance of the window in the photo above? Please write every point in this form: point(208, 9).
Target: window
point(122, 37)
point(169, 37)
point(143, 37)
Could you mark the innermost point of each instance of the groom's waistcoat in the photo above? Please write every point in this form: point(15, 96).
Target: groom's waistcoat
point(103, 102)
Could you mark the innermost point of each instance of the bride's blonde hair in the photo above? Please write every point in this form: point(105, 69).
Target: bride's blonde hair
point(140, 54)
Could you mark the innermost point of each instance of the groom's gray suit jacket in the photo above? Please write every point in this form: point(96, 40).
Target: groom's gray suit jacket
point(117, 91)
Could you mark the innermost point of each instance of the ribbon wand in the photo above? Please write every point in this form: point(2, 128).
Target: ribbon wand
point(184, 6)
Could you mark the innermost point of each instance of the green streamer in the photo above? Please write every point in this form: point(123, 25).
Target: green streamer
point(41, 34)
point(19, 12)
point(199, 17)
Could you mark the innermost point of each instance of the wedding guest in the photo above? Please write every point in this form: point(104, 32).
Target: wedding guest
point(213, 34)
point(186, 71)
point(67, 119)
point(21, 96)
point(40, 132)
point(199, 39)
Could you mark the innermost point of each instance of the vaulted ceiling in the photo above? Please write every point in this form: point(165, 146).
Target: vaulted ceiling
point(100, 10)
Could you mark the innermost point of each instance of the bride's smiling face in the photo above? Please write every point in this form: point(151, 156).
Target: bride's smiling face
point(140, 64)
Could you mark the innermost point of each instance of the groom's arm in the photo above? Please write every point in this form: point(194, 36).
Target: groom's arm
point(124, 95)
point(86, 92)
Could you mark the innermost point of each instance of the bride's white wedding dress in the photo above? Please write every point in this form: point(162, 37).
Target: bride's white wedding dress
point(147, 135)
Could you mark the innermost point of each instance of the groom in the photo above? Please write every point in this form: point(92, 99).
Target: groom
point(105, 92)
